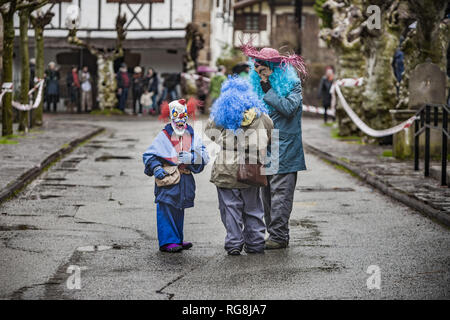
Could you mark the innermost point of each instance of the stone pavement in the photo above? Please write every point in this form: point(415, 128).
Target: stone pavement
point(28, 155)
point(99, 196)
point(391, 176)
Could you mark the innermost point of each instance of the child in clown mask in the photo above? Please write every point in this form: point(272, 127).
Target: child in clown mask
point(176, 145)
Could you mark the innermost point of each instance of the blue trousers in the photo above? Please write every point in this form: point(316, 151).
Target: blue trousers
point(123, 99)
point(170, 221)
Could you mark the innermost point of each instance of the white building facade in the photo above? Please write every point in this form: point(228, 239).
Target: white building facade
point(221, 27)
point(155, 31)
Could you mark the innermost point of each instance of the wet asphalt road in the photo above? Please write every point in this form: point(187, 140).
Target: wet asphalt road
point(98, 195)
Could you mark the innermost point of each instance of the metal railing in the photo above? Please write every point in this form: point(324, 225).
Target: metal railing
point(423, 124)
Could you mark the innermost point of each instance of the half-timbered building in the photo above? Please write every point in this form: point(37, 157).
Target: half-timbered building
point(155, 31)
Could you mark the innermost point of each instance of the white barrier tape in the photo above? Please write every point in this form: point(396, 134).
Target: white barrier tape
point(317, 110)
point(194, 76)
point(7, 86)
point(360, 124)
point(1, 96)
point(349, 82)
point(31, 105)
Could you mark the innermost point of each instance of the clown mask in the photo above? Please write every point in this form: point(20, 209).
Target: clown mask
point(178, 116)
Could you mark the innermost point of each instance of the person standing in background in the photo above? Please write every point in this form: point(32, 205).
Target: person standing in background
point(202, 82)
point(324, 90)
point(151, 83)
point(32, 72)
point(73, 88)
point(216, 83)
point(398, 64)
point(123, 84)
point(86, 90)
point(147, 101)
point(137, 86)
point(170, 87)
point(52, 86)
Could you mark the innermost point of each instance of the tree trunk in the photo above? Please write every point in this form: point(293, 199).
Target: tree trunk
point(40, 69)
point(25, 74)
point(380, 92)
point(8, 43)
point(1, 49)
point(351, 62)
point(107, 84)
point(429, 41)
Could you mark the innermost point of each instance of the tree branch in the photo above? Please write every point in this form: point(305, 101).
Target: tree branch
point(32, 5)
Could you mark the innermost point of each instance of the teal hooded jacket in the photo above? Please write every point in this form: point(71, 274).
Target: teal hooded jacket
point(286, 115)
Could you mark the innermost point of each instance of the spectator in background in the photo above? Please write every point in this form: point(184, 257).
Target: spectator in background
point(86, 90)
point(241, 69)
point(52, 86)
point(147, 101)
point(73, 88)
point(32, 72)
point(398, 64)
point(202, 82)
point(151, 83)
point(123, 84)
point(137, 88)
point(324, 90)
point(216, 83)
point(170, 87)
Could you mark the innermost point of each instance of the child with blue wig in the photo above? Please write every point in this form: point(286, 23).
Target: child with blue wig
point(239, 124)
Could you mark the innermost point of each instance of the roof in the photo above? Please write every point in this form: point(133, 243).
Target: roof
point(245, 3)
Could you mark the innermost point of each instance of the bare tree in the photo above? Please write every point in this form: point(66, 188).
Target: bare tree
point(379, 45)
point(24, 18)
point(429, 40)
point(39, 19)
point(107, 84)
point(344, 38)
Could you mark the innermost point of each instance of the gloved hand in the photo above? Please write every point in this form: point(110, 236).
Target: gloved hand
point(265, 86)
point(185, 157)
point(159, 173)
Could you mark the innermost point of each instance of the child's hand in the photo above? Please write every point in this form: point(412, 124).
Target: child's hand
point(185, 157)
point(159, 173)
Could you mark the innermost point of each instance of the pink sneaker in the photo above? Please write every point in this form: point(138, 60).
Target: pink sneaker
point(171, 248)
point(186, 245)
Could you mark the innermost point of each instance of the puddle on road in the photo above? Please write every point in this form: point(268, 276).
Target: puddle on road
point(42, 196)
point(322, 189)
point(94, 248)
point(19, 227)
point(55, 179)
point(111, 157)
point(130, 140)
point(67, 186)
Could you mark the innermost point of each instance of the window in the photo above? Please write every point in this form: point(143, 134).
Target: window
point(251, 22)
point(134, 1)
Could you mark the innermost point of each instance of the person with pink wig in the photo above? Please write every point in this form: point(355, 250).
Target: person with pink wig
point(275, 79)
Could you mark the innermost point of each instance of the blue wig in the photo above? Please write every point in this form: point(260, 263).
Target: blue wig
point(236, 97)
point(283, 80)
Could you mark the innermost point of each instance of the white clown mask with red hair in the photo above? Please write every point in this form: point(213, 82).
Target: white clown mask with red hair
point(178, 116)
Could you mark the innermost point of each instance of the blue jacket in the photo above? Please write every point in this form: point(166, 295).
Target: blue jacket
point(181, 195)
point(287, 118)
